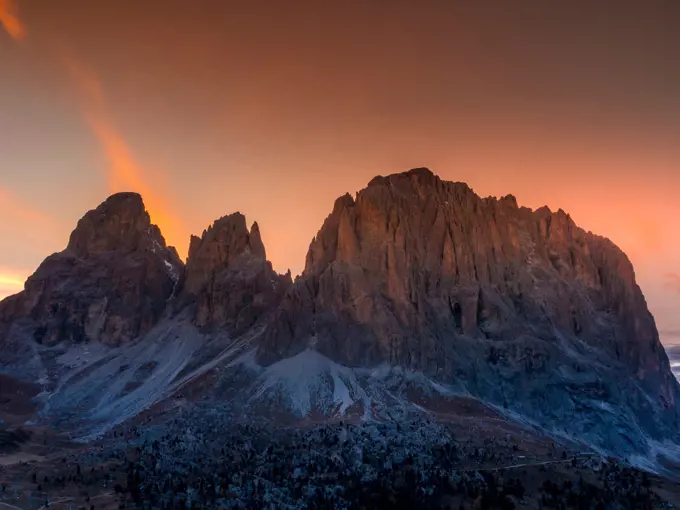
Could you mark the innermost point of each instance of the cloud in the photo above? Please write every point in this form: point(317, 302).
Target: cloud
point(125, 172)
point(672, 282)
point(10, 21)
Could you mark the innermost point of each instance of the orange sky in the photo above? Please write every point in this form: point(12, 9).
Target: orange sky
point(276, 108)
point(10, 21)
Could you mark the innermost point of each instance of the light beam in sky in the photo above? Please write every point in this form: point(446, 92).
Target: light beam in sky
point(10, 21)
point(125, 172)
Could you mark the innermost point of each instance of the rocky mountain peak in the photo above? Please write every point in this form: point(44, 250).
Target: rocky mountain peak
point(228, 276)
point(255, 242)
point(220, 246)
point(110, 285)
point(419, 176)
point(425, 274)
point(121, 224)
point(418, 276)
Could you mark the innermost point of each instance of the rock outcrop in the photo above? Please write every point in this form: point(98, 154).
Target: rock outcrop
point(229, 278)
point(109, 285)
point(522, 308)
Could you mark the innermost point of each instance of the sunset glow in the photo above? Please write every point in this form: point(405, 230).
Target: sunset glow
point(10, 21)
point(276, 112)
point(124, 173)
point(248, 248)
point(11, 281)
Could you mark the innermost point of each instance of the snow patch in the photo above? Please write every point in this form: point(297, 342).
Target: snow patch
point(310, 382)
point(310, 379)
point(171, 271)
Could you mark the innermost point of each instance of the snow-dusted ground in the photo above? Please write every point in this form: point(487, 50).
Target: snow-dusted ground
point(308, 379)
point(98, 387)
point(91, 388)
point(310, 382)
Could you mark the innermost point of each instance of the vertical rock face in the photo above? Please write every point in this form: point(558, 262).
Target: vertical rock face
point(111, 284)
point(425, 274)
point(229, 278)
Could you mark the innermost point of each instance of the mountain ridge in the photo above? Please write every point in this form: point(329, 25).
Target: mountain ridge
point(414, 281)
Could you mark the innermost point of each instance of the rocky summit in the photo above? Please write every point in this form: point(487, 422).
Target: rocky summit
point(228, 277)
point(518, 307)
point(417, 295)
point(109, 285)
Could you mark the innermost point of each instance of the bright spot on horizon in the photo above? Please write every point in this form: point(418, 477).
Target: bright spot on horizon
point(11, 281)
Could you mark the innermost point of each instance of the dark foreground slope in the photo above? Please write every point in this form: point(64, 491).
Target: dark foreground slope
point(210, 457)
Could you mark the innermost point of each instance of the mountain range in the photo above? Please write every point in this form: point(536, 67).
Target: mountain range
point(415, 292)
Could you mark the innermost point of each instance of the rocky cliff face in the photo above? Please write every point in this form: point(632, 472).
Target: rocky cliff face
point(520, 306)
point(110, 284)
point(229, 278)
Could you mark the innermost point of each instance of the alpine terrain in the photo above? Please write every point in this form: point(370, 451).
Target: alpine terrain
point(435, 339)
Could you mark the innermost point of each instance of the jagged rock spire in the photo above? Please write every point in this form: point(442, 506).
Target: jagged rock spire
point(228, 276)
